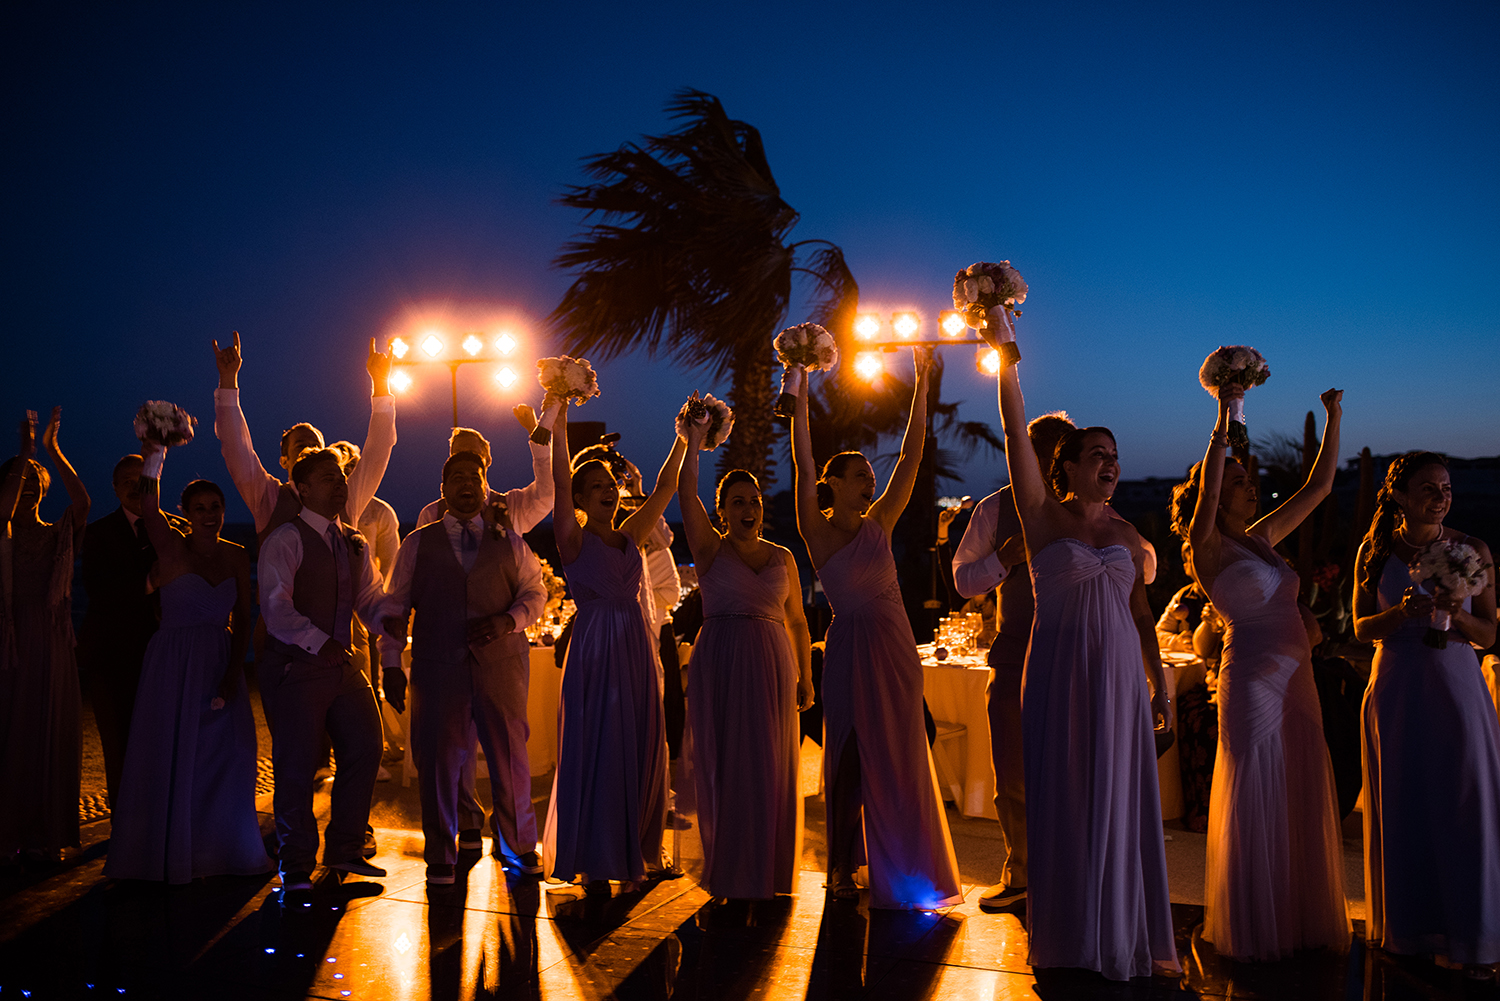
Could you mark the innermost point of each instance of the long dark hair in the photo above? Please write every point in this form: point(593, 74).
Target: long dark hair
point(835, 466)
point(1377, 544)
point(1184, 500)
point(1069, 449)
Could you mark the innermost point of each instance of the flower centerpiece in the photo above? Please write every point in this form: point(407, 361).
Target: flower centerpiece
point(806, 346)
point(161, 423)
point(567, 379)
point(982, 287)
point(1453, 568)
point(1237, 365)
point(715, 413)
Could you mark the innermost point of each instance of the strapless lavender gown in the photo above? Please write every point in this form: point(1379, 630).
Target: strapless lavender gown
point(609, 794)
point(187, 792)
point(742, 707)
point(872, 690)
point(1432, 794)
point(1275, 867)
point(1097, 897)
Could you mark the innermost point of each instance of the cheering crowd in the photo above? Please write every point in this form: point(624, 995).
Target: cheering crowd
point(1076, 698)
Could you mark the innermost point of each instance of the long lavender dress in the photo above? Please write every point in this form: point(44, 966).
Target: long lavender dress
point(742, 707)
point(1432, 794)
point(872, 691)
point(1275, 868)
point(609, 795)
point(187, 792)
point(1097, 897)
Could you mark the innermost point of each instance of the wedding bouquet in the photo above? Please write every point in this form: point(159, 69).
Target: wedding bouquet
point(715, 413)
point(1454, 568)
point(164, 423)
point(567, 379)
point(981, 287)
point(1237, 365)
point(806, 346)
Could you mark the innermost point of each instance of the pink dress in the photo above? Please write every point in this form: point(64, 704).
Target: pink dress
point(1275, 878)
point(1432, 794)
point(872, 689)
point(1097, 897)
point(609, 793)
point(742, 707)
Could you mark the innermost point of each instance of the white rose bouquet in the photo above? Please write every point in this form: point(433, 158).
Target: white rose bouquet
point(715, 413)
point(807, 346)
point(566, 379)
point(1453, 568)
point(1239, 365)
point(980, 288)
point(163, 423)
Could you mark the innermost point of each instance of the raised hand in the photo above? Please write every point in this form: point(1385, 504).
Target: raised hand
point(1333, 402)
point(1229, 391)
point(378, 364)
point(1000, 319)
point(525, 416)
point(228, 361)
point(922, 357)
point(49, 436)
point(28, 435)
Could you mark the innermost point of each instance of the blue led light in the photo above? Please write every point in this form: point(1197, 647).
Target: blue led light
point(331, 959)
point(344, 993)
point(338, 976)
point(269, 950)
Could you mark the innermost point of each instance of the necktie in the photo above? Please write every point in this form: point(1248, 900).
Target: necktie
point(470, 546)
point(343, 596)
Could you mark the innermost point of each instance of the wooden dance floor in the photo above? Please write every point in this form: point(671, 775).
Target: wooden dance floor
point(67, 932)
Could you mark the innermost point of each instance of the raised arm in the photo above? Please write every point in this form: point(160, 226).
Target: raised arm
point(165, 539)
point(1029, 489)
point(379, 439)
point(10, 490)
point(1203, 531)
point(892, 501)
point(528, 505)
point(258, 488)
point(1284, 520)
point(77, 493)
point(810, 520)
point(702, 540)
point(644, 518)
point(565, 527)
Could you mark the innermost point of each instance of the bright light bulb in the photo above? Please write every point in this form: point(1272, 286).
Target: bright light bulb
point(867, 365)
point(905, 324)
point(953, 322)
point(473, 345)
point(866, 326)
point(433, 345)
point(399, 347)
point(505, 344)
point(506, 378)
point(400, 381)
point(989, 361)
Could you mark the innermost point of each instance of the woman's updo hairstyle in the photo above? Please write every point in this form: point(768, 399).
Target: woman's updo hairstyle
point(1184, 501)
point(733, 478)
point(197, 487)
point(581, 470)
point(836, 466)
point(1388, 513)
point(1070, 449)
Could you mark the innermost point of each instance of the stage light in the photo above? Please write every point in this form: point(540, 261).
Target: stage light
point(399, 347)
point(505, 344)
point(988, 361)
point(433, 345)
point(506, 378)
point(400, 381)
point(473, 345)
point(952, 322)
point(905, 324)
point(867, 365)
point(866, 325)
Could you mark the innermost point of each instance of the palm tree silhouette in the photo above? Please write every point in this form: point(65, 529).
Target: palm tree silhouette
point(687, 253)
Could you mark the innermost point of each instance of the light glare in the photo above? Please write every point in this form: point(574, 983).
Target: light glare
point(905, 324)
point(505, 344)
point(399, 347)
point(867, 365)
point(433, 345)
point(400, 381)
point(506, 378)
point(989, 361)
point(866, 326)
point(473, 345)
point(953, 322)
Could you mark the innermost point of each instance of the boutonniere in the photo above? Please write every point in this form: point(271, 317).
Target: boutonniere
point(499, 521)
point(355, 540)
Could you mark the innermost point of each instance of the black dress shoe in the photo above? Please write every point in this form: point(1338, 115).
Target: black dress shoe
point(358, 867)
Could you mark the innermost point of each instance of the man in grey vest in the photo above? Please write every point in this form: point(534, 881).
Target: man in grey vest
point(315, 573)
point(475, 586)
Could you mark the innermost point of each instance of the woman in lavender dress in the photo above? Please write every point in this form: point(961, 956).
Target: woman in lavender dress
point(41, 741)
point(609, 794)
point(1097, 897)
point(187, 792)
point(882, 793)
point(1431, 737)
point(750, 674)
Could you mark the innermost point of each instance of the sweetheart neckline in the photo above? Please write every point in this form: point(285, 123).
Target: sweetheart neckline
point(194, 573)
point(1080, 542)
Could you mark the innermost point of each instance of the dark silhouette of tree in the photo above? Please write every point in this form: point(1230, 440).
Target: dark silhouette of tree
point(687, 253)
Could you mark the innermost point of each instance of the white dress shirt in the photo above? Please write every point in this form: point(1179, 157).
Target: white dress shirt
point(662, 584)
point(260, 489)
point(976, 565)
point(380, 525)
point(527, 505)
point(529, 601)
point(280, 556)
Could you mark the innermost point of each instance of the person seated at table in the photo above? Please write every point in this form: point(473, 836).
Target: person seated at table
point(474, 587)
point(1174, 630)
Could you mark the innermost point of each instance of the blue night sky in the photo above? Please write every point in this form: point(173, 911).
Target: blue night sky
point(1317, 180)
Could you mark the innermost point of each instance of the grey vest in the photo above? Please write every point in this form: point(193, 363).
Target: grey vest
point(445, 599)
point(315, 591)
